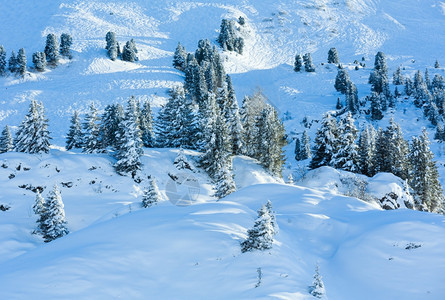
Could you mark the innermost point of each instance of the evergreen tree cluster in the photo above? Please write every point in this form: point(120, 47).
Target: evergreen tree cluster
point(18, 64)
point(51, 223)
point(305, 62)
point(382, 150)
point(128, 52)
point(229, 38)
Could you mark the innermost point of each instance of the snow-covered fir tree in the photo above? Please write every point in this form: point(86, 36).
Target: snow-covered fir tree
point(366, 145)
point(74, 138)
point(333, 56)
point(39, 61)
point(90, 126)
point(6, 141)
point(297, 151)
point(317, 288)
point(271, 140)
point(346, 150)
point(54, 223)
point(290, 179)
point(408, 88)
point(436, 64)
point(261, 236)
point(228, 37)
point(352, 103)
point(250, 111)
point(181, 162)
point(420, 90)
point(397, 77)
point(129, 52)
point(65, 45)
point(308, 65)
point(109, 125)
point(39, 210)
point(341, 81)
point(424, 177)
point(151, 194)
point(129, 144)
point(376, 107)
point(225, 185)
point(21, 62)
point(180, 58)
point(12, 63)
point(52, 49)
point(305, 145)
point(146, 125)
point(233, 119)
point(33, 135)
point(3, 64)
point(112, 46)
point(298, 63)
point(325, 142)
point(379, 77)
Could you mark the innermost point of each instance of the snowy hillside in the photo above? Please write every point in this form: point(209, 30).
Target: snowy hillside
point(188, 245)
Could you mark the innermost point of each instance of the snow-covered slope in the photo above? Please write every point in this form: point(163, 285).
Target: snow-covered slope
point(118, 250)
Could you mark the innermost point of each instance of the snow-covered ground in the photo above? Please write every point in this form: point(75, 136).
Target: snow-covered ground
point(118, 250)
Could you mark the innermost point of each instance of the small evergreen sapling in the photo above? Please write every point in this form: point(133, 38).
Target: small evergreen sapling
point(181, 161)
point(261, 236)
point(6, 141)
point(436, 64)
point(225, 185)
point(317, 288)
point(151, 194)
point(54, 223)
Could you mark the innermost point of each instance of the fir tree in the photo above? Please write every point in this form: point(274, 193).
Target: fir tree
point(6, 141)
point(129, 53)
point(180, 58)
point(339, 105)
point(298, 64)
point(420, 90)
point(305, 146)
point(146, 126)
point(427, 79)
point(112, 46)
point(379, 77)
point(52, 49)
point(438, 83)
point(233, 119)
point(352, 103)
point(39, 61)
point(424, 177)
point(228, 38)
point(151, 194)
point(408, 86)
point(21, 62)
point(39, 209)
point(65, 45)
point(290, 179)
point(397, 78)
point(440, 133)
point(2, 61)
point(32, 135)
point(109, 125)
point(181, 161)
point(261, 236)
point(129, 147)
point(325, 142)
point(74, 138)
point(341, 81)
point(317, 288)
point(376, 107)
point(297, 151)
point(396, 151)
point(333, 56)
point(436, 64)
point(366, 152)
point(91, 143)
point(346, 151)
point(225, 185)
point(12, 63)
point(54, 224)
point(308, 65)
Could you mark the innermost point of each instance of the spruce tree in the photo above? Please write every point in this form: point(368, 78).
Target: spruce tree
point(12, 63)
point(54, 224)
point(6, 141)
point(317, 288)
point(3, 65)
point(379, 77)
point(129, 53)
point(129, 147)
point(408, 89)
point(151, 194)
point(180, 58)
point(397, 78)
point(352, 103)
point(109, 125)
point(146, 125)
point(228, 37)
point(39, 61)
point(250, 111)
point(112, 46)
point(376, 107)
point(346, 154)
point(297, 151)
point(233, 119)
point(90, 126)
point(261, 236)
point(341, 81)
point(325, 142)
point(298, 64)
point(366, 150)
point(32, 135)
point(74, 138)
point(39, 209)
point(436, 64)
point(420, 90)
point(21, 62)
point(181, 161)
point(308, 65)
point(333, 56)
point(225, 185)
point(305, 146)
point(65, 45)
point(396, 151)
point(52, 49)
point(424, 177)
